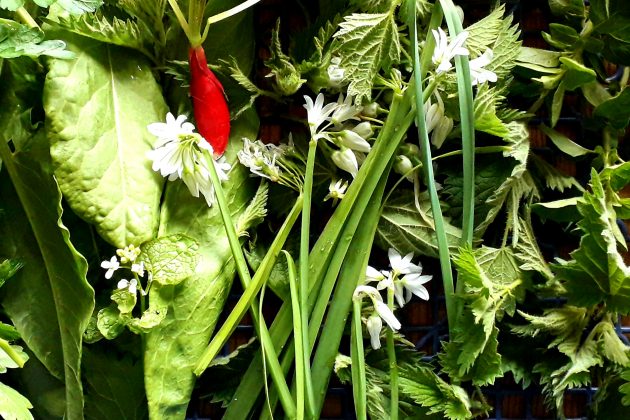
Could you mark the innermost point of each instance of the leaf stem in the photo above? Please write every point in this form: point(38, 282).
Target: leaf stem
point(26, 17)
point(393, 366)
point(181, 19)
point(4, 345)
point(357, 353)
point(479, 150)
point(300, 361)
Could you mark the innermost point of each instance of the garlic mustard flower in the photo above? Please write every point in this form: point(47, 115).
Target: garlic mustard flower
point(128, 254)
point(478, 73)
point(111, 266)
point(138, 268)
point(318, 114)
point(130, 285)
point(181, 153)
point(445, 51)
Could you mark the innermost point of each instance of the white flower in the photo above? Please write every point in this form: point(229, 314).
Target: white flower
point(438, 124)
point(379, 306)
point(403, 265)
point(414, 285)
point(354, 141)
point(346, 160)
point(478, 73)
point(138, 268)
point(345, 110)
point(181, 153)
point(337, 190)
point(111, 266)
point(335, 73)
point(364, 129)
point(372, 274)
point(412, 281)
point(433, 113)
point(261, 158)
point(317, 114)
point(128, 254)
point(404, 167)
point(441, 131)
point(445, 51)
point(131, 285)
point(374, 326)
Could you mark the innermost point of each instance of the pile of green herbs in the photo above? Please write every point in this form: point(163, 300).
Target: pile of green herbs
point(113, 280)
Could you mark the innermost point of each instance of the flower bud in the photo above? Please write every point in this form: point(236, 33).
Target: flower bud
point(354, 141)
point(370, 110)
point(404, 167)
point(364, 129)
point(441, 131)
point(346, 160)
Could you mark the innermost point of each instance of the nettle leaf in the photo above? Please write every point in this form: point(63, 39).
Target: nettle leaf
point(405, 227)
point(99, 149)
point(597, 273)
point(367, 44)
point(554, 179)
point(497, 33)
point(255, 212)
point(13, 405)
point(170, 259)
point(287, 77)
point(125, 33)
point(76, 7)
point(493, 286)
point(485, 106)
point(528, 253)
point(19, 40)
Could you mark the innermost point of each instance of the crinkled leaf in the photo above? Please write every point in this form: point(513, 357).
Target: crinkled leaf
point(528, 253)
point(19, 40)
point(404, 227)
point(367, 43)
point(13, 405)
point(109, 322)
point(99, 150)
point(170, 259)
point(149, 319)
point(125, 300)
point(255, 212)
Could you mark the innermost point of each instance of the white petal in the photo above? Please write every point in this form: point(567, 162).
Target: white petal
point(372, 274)
point(123, 284)
point(388, 316)
point(374, 327)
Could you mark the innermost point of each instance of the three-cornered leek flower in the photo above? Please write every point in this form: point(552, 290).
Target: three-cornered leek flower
point(445, 51)
point(381, 311)
point(478, 73)
point(181, 153)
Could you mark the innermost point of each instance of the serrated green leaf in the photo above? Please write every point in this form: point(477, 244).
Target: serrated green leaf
point(125, 33)
point(99, 151)
point(170, 259)
point(77, 7)
point(255, 212)
point(406, 228)
point(367, 43)
point(554, 179)
point(19, 40)
point(564, 143)
point(485, 111)
point(528, 253)
point(497, 33)
point(13, 405)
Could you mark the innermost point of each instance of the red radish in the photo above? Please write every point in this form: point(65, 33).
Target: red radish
point(209, 104)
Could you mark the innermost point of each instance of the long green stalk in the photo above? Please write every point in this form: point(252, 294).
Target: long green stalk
point(357, 353)
point(15, 356)
point(304, 282)
point(393, 365)
point(425, 149)
point(247, 301)
point(300, 361)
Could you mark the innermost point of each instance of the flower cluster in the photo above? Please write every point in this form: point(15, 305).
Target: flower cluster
point(338, 124)
point(180, 153)
point(128, 259)
point(276, 163)
point(403, 280)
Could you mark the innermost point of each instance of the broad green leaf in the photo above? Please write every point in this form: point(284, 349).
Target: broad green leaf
point(170, 259)
point(8, 268)
point(556, 104)
point(194, 305)
point(75, 6)
point(109, 322)
point(8, 332)
point(13, 405)
point(595, 93)
point(620, 176)
point(406, 228)
point(113, 386)
point(367, 43)
point(564, 143)
point(125, 300)
point(563, 36)
point(567, 7)
point(612, 19)
point(49, 300)
point(7, 362)
point(11, 4)
point(97, 108)
point(615, 109)
point(577, 74)
point(19, 40)
point(543, 61)
point(563, 210)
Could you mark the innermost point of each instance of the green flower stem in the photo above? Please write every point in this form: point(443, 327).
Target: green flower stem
point(247, 300)
point(304, 280)
point(4, 345)
point(425, 149)
point(465, 93)
point(393, 365)
point(224, 15)
point(359, 386)
point(196, 9)
point(181, 19)
point(478, 150)
point(26, 17)
point(300, 360)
